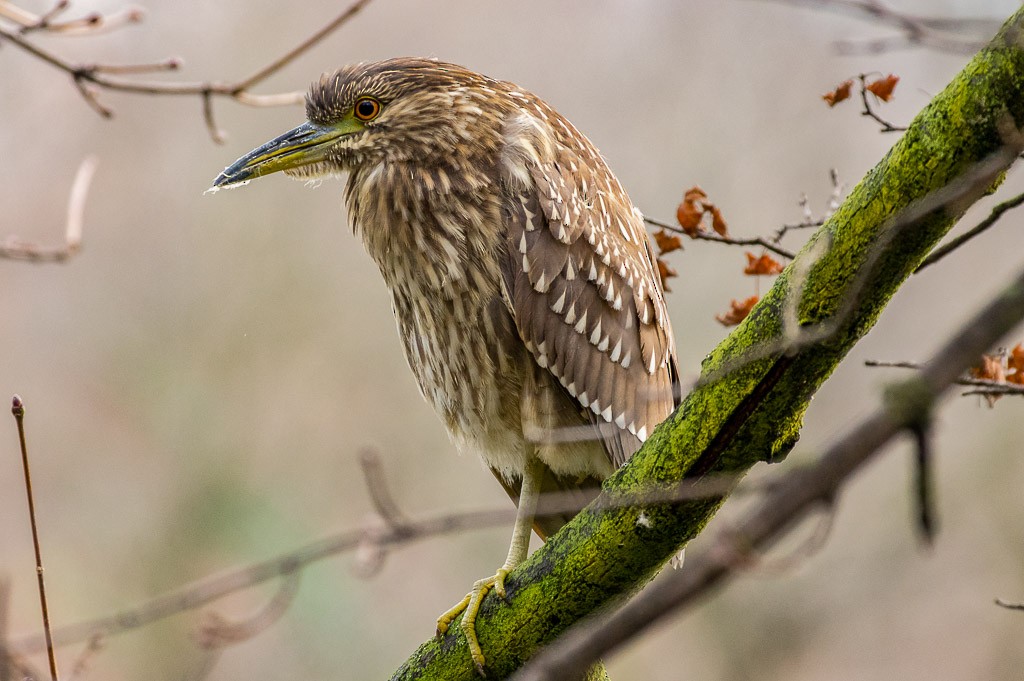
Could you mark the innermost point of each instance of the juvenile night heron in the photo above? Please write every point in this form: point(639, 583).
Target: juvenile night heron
point(521, 275)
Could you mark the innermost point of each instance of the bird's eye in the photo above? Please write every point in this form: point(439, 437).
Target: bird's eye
point(366, 108)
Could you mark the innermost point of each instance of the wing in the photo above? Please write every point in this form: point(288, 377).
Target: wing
point(581, 282)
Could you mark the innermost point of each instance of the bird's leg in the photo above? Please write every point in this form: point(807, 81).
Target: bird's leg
point(517, 552)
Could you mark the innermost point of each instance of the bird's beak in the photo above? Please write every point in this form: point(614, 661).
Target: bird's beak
point(302, 146)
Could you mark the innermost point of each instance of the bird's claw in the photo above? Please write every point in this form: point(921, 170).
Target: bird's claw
point(469, 607)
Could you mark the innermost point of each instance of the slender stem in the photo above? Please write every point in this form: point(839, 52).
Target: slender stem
point(18, 409)
point(283, 60)
point(993, 217)
point(729, 241)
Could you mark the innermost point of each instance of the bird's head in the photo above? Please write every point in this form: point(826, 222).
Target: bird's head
point(402, 109)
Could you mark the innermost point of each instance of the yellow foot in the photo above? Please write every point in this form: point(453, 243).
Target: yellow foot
point(470, 605)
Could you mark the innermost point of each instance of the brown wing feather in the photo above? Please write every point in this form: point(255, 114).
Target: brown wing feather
point(582, 285)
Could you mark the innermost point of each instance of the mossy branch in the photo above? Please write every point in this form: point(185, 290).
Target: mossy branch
point(757, 383)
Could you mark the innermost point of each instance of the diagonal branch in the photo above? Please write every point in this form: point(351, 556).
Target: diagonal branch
point(754, 413)
point(991, 219)
point(789, 499)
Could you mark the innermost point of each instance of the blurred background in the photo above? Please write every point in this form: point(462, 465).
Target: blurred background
point(200, 379)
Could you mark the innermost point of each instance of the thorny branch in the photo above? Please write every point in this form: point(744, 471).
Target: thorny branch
point(798, 492)
point(87, 77)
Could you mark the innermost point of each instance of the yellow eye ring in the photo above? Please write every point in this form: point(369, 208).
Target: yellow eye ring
point(366, 109)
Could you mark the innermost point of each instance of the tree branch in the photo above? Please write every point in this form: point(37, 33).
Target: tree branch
point(728, 241)
point(993, 217)
point(753, 413)
point(15, 249)
point(84, 75)
point(789, 499)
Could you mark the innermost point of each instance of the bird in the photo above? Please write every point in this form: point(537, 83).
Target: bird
point(522, 278)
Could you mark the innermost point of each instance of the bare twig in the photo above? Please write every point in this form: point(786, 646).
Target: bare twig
point(944, 250)
point(290, 56)
point(984, 386)
point(729, 241)
point(1009, 605)
point(924, 485)
point(207, 591)
point(799, 491)
point(216, 631)
point(961, 191)
point(870, 112)
point(18, 410)
point(89, 24)
point(15, 249)
point(109, 78)
point(380, 495)
point(751, 561)
point(806, 224)
point(92, 648)
point(964, 35)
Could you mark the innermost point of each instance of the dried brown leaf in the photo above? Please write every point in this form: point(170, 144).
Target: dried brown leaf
point(990, 369)
point(841, 92)
point(883, 87)
point(667, 242)
point(1015, 365)
point(691, 210)
point(718, 222)
point(738, 311)
point(763, 264)
point(666, 273)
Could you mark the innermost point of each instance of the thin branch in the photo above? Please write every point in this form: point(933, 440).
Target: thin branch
point(964, 35)
point(924, 482)
point(1009, 605)
point(216, 631)
point(799, 491)
point(15, 249)
point(89, 24)
point(729, 241)
point(751, 561)
point(993, 217)
point(383, 501)
point(870, 112)
point(806, 224)
point(199, 594)
point(290, 56)
point(986, 387)
point(106, 77)
point(92, 648)
point(18, 411)
point(963, 190)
